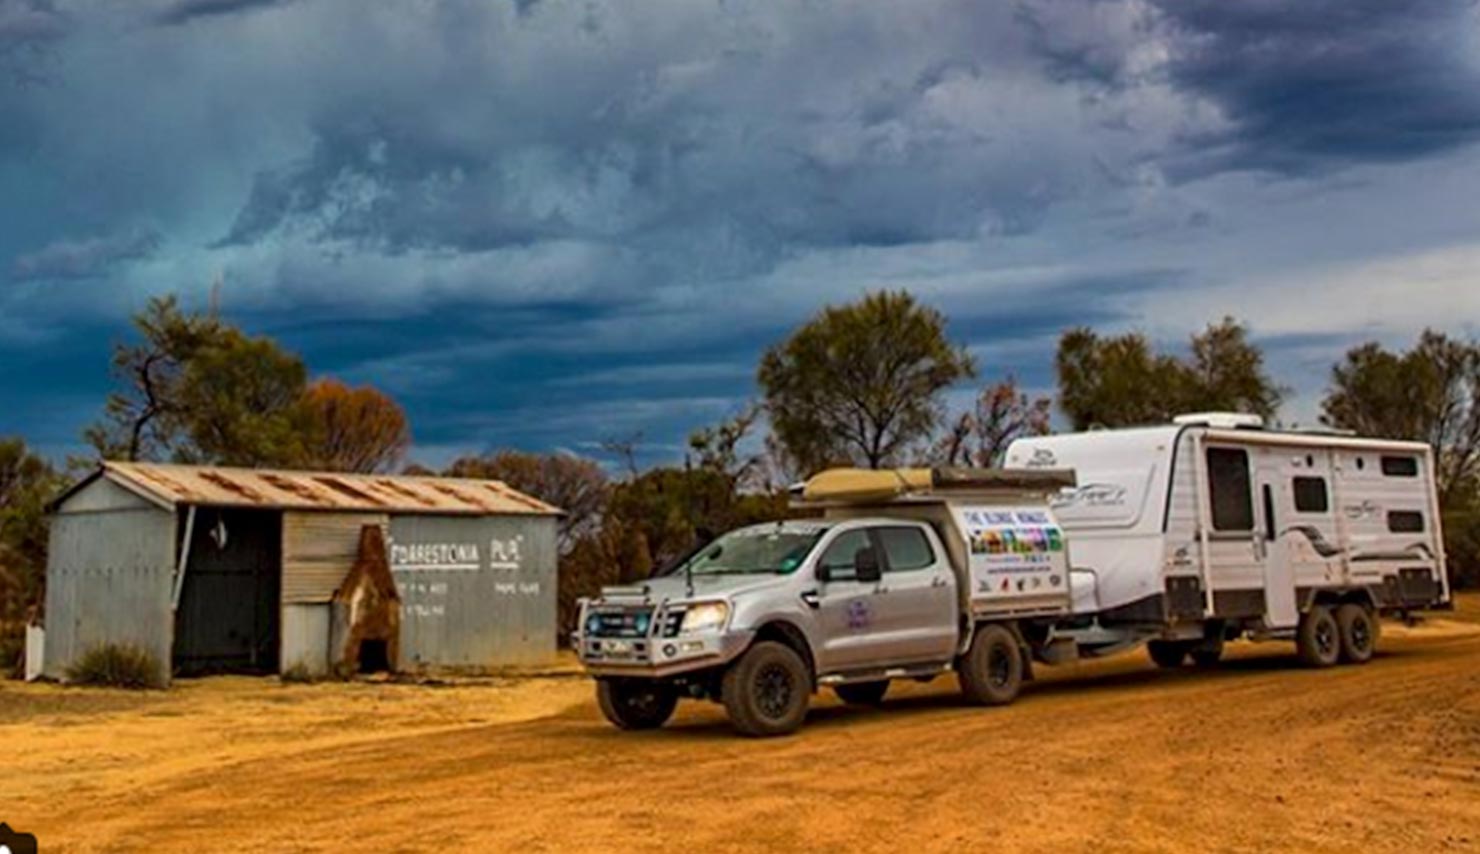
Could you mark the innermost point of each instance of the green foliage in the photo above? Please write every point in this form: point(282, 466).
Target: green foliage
point(860, 384)
point(1462, 537)
point(1120, 381)
point(196, 389)
point(116, 666)
point(142, 419)
point(1428, 394)
point(27, 482)
point(241, 404)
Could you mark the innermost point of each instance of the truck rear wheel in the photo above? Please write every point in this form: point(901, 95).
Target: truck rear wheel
point(1167, 653)
point(636, 703)
point(766, 692)
point(863, 693)
point(991, 671)
point(1358, 633)
point(1318, 638)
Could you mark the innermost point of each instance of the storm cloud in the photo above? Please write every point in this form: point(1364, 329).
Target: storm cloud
point(544, 223)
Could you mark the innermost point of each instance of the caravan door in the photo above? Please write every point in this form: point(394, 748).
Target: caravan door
point(1276, 508)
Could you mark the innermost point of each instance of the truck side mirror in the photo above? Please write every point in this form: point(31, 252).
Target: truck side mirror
point(866, 565)
point(823, 573)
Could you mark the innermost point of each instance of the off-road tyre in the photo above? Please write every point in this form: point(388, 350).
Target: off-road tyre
point(636, 704)
point(1167, 654)
point(991, 671)
point(1359, 632)
point(863, 693)
point(1318, 638)
point(766, 691)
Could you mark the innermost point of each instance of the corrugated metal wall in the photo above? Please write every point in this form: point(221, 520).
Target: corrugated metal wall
point(319, 549)
point(108, 580)
point(475, 592)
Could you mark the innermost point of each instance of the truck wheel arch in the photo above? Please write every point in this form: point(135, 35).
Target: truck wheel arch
point(784, 632)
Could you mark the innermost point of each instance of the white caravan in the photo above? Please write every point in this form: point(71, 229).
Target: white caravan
point(1213, 527)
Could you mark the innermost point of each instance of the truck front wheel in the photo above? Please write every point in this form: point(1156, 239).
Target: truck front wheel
point(767, 690)
point(991, 671)
point(636, 703)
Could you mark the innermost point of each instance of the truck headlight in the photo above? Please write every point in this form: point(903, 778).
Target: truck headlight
point(704, 617)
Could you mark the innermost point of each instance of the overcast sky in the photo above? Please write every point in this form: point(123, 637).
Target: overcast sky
point(542, 223)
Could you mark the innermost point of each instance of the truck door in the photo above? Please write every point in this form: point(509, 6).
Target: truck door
point(917, 594)
point(851, 614)
point(906, 616)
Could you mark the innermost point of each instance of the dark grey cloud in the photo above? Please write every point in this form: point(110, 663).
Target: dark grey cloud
point(736, 134)
point(86, 257)
point(29, 31)
point(185, 11)
point(30, 22)
point(1314, 85)
point(524, 215)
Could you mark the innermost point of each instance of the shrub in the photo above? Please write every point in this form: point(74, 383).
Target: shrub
point(116, 666)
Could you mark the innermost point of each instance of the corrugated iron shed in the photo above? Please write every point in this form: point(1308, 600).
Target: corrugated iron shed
point(175, 485)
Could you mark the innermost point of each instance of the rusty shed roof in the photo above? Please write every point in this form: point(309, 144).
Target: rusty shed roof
point(174, 485)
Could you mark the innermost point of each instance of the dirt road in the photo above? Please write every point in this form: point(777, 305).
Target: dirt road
point(1256, 755)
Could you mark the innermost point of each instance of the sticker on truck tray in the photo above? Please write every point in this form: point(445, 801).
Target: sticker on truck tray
point(1014, 551)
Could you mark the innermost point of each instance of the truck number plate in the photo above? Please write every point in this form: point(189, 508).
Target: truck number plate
point(617, 647)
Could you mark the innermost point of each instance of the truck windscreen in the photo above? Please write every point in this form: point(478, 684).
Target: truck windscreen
point(760, 549)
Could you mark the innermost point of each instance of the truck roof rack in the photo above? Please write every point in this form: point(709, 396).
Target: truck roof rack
point(850, 485)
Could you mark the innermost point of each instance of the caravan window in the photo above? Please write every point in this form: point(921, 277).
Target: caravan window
point(1400, 466)
point(1310, 495)
point(1232, 495)
point(1405, 521)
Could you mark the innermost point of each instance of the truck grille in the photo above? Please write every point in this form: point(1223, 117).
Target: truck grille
point(626, 623)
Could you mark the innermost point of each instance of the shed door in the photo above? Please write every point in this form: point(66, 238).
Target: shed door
point(228, 615)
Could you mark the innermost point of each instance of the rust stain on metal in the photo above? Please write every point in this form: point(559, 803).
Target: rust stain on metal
point(232, 486)
point(170, 484)
point(402, 491)
point(505, 492)
point(462, 496)
point(292, 487)
point(345, 489)
point(327, 490)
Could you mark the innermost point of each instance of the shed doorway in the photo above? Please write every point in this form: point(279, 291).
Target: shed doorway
point(227, 620)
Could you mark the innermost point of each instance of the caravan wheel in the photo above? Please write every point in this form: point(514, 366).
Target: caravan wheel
point(1358, 633)
point(1318, 639)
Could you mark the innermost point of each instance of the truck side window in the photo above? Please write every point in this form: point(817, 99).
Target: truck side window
point(840, 555)
point(1232, 494)
point(905, 548)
